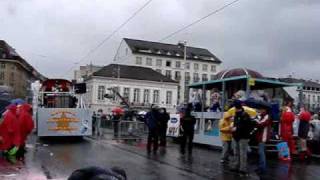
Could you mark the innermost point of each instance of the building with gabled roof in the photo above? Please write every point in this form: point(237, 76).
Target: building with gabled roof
point(15, 72)
point(168, 59)
point(140, 86)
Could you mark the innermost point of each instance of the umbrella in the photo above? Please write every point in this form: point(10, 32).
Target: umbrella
point(258, 104)
point(252, 112)
point(142, 113)
point(118, 110)
point(17, 101)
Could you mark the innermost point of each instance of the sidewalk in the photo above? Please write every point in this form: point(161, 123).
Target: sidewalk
point(205, 162)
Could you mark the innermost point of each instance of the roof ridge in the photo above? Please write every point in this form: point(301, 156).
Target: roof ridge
point(164, 43)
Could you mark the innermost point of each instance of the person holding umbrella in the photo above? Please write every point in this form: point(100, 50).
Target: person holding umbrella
point(116, 115)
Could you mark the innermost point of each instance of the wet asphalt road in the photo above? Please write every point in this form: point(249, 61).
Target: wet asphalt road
point(57, 158)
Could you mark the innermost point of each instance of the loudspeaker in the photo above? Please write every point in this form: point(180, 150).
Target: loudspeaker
point(80, 88)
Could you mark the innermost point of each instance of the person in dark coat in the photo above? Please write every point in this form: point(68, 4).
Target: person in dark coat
point(163, 125)
point(98, 173)
point(303, 130)
point(187, 123)
point(242, 128)
point(152, 121)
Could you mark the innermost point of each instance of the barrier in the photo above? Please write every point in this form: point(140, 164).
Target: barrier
point(131, 130)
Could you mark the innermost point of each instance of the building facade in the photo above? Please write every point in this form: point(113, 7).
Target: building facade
point(15, 72)
point(310, 92)
point(140, 87)
point(168, 59)
point(85, 71)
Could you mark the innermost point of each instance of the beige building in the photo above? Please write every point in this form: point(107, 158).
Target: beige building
point(15, 72)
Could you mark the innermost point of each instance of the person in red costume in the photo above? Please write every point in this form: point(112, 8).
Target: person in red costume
point(9, 131)
point(26, 126)
point(286, 123)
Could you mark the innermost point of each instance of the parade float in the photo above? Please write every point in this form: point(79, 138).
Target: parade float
point(240, 83)
point(60, 110)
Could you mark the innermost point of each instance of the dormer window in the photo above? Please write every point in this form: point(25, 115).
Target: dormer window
point(177, 54)
point(159, 52)
point(196, 57)
point(168, 53)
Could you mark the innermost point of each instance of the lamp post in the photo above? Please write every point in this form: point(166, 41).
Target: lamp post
point(182, 83)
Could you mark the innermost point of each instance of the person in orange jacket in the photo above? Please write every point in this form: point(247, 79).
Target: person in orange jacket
point(26, 126)
point(9, 131)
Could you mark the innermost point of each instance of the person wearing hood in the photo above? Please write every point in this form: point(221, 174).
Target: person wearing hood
point(225, 127)
point(26, 126)
point(152, 121)
point(10, 131)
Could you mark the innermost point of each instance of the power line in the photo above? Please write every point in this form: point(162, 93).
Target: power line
point(199, 20)
point(110, 35)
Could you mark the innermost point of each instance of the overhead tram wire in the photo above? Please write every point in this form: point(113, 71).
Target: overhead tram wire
point(110, 35)
point(199, 20)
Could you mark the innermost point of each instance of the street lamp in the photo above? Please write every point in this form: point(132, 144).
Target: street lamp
point(182, 98)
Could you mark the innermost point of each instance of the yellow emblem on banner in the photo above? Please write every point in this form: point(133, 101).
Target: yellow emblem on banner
point(252, 82)
point(63, 121)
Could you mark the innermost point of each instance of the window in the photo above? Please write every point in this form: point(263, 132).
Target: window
point(159, 62)
point(169, 97)
point(313, 98)
point(3, 65)
point(309, 98)
point(149, 62)
point(213, 68)
point(159, 71)
point(146, 96)
point(177, 75)
point(204, 67)
point(115, 97)
point(126, 93)
point(156, 96)
point(187, 76)
point(168, 63)
point(318, 98)
point(178, 64)
point(12, 76)
point(212, 77)
point(195, 66)
point(138, 60)
point(2, 76)
point(101, 91)
point(204, 77)
point(136, 95)
point(168, 73)
point(195, 77)
point(187, 65)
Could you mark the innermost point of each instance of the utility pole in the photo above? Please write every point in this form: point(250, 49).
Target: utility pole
point(182, 83)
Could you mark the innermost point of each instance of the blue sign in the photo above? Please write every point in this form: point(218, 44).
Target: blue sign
point(173, 120)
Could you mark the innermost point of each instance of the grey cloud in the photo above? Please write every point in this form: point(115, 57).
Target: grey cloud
point(273, 37)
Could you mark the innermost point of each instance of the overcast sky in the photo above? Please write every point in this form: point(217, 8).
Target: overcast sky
point(274, 37)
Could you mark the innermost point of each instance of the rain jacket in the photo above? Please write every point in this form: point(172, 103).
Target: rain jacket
point(225, 130)
point(9, 129)
point(26, 123)
point(287, 119)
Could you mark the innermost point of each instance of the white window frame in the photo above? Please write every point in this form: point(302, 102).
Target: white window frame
point(159, 62)
point(169, 97)
point(149, 61)
point(139, 60)
point(146, 96)
point(156, 96)
point(101, 92)
point(136, 95)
